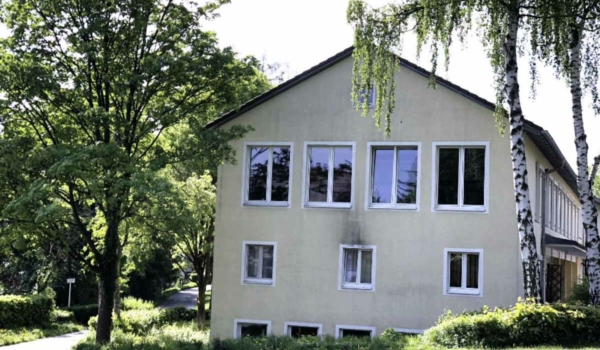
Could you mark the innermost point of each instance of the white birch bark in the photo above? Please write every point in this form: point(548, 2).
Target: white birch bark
point(529, 254)
point(589, 214)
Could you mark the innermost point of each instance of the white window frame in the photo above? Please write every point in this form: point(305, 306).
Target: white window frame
point(371, 146)
point(434, 177)
point(340, 328)
point(258, 281)
point(237, 326)
point(306, 176)
point(246, 175)
point(463, 291)
point(287, 327)
point(357, 286)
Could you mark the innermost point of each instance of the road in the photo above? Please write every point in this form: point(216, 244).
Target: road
point(186, 298)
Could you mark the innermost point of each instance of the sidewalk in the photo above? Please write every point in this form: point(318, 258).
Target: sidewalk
point(62, 342)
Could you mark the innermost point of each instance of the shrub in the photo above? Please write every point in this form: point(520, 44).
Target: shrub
point(25, 311)
point(131, 303)
point(143, 321)
point(83, 313)
point(62, 316)
point(525, 324)
point(580, 292)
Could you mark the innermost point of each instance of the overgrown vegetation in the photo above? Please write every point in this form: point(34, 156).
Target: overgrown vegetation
point(142, 321)
point(525, 324)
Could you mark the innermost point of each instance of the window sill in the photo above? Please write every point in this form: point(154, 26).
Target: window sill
point(258, 282)
point(455, 208)
point(407, 207)
point(362, 287)
point(328, 205)
point(463, 292)
point(261, 204)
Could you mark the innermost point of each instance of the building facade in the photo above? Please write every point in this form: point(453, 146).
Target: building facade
point(325, 227)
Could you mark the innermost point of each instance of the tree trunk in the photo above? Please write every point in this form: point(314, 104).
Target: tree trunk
point(584, 183)
point(118, 283)
point(108, 276)
point(201, 283)
point(529, 254)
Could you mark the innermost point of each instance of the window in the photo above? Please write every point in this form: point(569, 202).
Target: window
point(461, 176)
point(354, 331)
point(251, 328)
point(394, 175)
point(361, 97)
point(259, 261)
point(298, 330)
point(357, 267)
point(562, 213)
point(267, 174)
point(463, 271)
point(329, 175)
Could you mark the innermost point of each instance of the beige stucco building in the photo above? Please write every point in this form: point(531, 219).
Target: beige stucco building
point(326, 227)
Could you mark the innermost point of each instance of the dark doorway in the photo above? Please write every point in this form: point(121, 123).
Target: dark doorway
point(554, 282)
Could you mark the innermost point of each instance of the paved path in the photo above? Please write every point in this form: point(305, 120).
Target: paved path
point(62, 342)
point(186, 298)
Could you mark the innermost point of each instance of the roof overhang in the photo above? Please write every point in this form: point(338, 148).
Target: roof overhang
point(566, 245)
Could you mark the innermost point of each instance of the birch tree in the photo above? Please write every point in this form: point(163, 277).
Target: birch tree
point(378, 37)
point(566, 35)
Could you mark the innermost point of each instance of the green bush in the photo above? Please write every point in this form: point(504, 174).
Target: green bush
point(62, 316)
point(143, 321)
point(131, 303)
point(525, 324)
point(580, 292)
point(83, 313)
point(25, 311)
point(186, 337)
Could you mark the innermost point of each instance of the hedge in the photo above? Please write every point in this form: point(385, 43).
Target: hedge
point(525, 324)
point(25, 311)
point(142, 321)
point(83, 313)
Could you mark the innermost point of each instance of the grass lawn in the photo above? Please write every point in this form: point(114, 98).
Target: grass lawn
point(20, 335)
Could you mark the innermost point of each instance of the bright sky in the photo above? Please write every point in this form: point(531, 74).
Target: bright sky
point(302, 33)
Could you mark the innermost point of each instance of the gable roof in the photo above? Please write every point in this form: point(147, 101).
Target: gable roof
point(540, 137)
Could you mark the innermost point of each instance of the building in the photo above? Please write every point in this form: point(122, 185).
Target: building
point(325, 227)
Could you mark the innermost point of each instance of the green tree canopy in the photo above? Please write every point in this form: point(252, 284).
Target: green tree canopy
point(88, 91)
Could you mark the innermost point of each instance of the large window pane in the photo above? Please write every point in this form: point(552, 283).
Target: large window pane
point(350, 265)
point(252, 261)
point(448, 176)
point(280, 181)
point(406, 178)
point(455, 270)
point(319, 170)
point(267, 263)
point(257, 179)
point(383, 173)
point(472, 271)
point(474, 176)
point(366, 262)
point(342, 174)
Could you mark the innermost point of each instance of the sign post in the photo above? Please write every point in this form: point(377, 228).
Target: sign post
point(70, 281)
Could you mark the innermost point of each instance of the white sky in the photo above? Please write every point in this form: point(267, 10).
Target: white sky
point(302, 33)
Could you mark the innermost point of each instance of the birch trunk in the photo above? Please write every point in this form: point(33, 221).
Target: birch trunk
point(584, 183)
point(529, 254)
